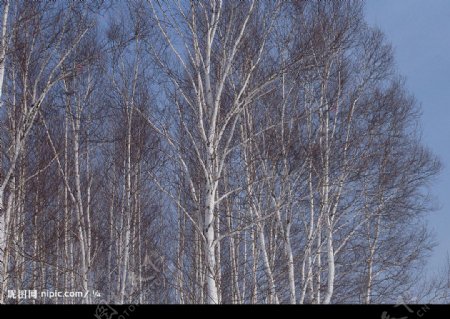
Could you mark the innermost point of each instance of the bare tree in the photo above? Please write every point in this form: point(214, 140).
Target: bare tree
point(209, 152)
point(35, 39)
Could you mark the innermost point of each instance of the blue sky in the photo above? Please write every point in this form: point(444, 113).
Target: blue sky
point(419, 31)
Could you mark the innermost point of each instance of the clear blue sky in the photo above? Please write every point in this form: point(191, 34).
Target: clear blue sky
point(419, 31)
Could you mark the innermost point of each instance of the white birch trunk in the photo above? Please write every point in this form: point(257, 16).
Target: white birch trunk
point(255, 258)
point(3, 45)
point(326, 204)
point(210, 258)
point(273, 297)
point(291, 270)
point(2, 189)
point(370, 262)
point(127, 216)
point(3, 222)
point(79, 203)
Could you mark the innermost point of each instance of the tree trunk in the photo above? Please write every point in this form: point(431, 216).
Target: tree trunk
point(212, 296)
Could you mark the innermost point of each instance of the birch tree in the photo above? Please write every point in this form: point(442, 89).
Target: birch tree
point(36, 37)
point(209, 152)
point(205, 39)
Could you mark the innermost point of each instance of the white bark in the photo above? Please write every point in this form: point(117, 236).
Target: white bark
point(82, 229)
point(127, 215)
point(3, 223)
point(3, 46)
point(212, 291)
point(291, 270)
point(215, 123)
point(273, 296)
point(4, 219)
point(29, 117)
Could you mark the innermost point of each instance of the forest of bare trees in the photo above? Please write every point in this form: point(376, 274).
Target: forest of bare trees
point(209, 152)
